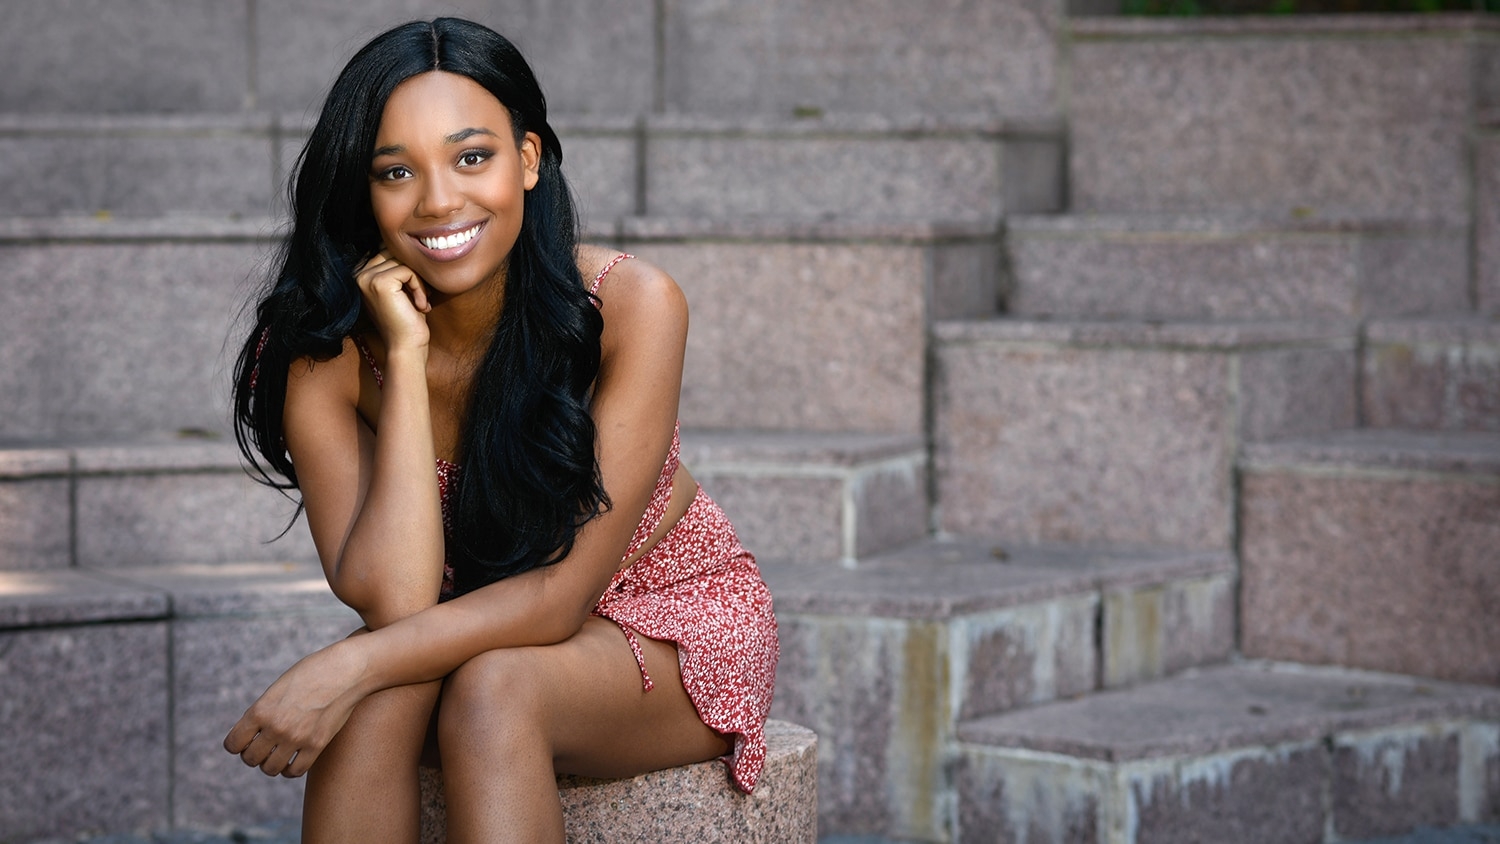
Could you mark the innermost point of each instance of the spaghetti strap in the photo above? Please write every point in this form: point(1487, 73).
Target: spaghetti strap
point(594, 288)
point(370, 359)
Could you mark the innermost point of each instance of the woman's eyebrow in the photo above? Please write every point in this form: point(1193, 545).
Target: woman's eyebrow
point(465, 134)
point(457, 137)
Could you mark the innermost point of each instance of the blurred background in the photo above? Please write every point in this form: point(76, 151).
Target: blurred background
point(1111, 394)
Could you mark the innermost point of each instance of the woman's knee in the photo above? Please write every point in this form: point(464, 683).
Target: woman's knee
point(386, 729)
point(495, 693)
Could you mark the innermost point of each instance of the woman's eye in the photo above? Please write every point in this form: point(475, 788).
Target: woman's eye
point(473, 158)
point(391, 174)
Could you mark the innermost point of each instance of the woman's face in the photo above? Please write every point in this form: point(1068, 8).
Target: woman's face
point(448, 181)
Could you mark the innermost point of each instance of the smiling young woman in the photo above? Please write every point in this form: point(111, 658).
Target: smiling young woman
point(480, 417)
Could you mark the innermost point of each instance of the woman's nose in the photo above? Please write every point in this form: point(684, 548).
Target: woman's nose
point(440, 197)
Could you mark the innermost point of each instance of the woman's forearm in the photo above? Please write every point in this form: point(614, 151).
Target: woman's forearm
point(392, 562)
point(539, 607)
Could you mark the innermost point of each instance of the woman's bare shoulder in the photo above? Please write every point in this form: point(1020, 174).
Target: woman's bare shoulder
point(337, 378)
point(643, 307)
point(629, 283)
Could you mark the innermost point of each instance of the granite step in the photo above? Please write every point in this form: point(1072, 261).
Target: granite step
point(810, 498)
point(178, 652)
point(851, 167)
point(1121, 433)
point(689, 803)
point(825, 325)
point(167, 499)
point(235, 165)
point(1487, 207)
point(909, 168)
point(1218, 266)
point(882, 660)
point(1431, 373)
point(1239, 114)
point(87, 305)
point(81, 318)
point(1374, 549)
point(874, 56)
point(591, 57)
point(221, 165)
point(1253, 752)
point(147, 668)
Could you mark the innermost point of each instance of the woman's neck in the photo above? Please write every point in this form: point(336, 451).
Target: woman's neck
point(461, 326)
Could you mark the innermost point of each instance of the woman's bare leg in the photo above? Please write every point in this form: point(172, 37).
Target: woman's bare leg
point(510, 718)
point(363, 788)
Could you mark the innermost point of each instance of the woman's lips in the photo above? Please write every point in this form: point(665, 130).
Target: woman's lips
point(450, 244)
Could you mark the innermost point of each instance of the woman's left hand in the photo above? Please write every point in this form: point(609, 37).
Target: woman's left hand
point(285, 730)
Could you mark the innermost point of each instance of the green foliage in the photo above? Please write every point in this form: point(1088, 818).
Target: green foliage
point(1196, 8)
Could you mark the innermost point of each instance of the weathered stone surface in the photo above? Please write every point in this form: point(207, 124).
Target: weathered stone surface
point(1004, 798)
point(1388, 782)
point(69, 596)
point(882, 724)
point(93, 164)
point(33, 525)
point(937, 580)
point(1235, 115)
point(1203, 757)
point(1433, 374)
point(1024, 449)
point(213, 591)
point(1155, 630)
point(587, 57)
point(1229, 797)
point(35, 510)
point(154, 55)
point(1487, 215)
point(890, 505)
point(808, 170)
point(1479, 774)
point(88, 705)
point(239, 628)
point(689, 803)
point(1031, 417)
point(82, 323)
point(601, 165)
point(783, 518)
point(1004, 795)
point(1376, 550)
point(1289, 392)
point(966, 280)
point(814, 497)
point(150, 504)
point(953, 57)
point(1231, 267)
point(1221, 709)
point(884, 659)
point(1033, 175)
point(810, 336)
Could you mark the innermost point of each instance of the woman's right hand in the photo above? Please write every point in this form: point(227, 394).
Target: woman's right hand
point(290, 724)
point(396, 299)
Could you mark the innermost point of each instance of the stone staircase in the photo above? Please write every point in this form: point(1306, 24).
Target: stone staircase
point(1112, 403)
point(1258, 329)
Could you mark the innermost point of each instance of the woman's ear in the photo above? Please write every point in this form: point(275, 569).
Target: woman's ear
point(531, 159)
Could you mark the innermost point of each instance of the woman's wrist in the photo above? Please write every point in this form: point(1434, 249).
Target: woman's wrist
point(407, 354)
point(358, 658)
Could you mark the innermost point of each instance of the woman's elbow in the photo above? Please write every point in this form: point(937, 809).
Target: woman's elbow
point(381, 607)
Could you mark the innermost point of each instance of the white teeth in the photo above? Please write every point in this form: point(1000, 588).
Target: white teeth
point(449, 241)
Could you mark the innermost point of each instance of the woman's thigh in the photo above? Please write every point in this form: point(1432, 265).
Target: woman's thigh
point(587, 701)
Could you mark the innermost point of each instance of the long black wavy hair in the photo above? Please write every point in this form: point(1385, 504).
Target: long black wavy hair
point(530, 474)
